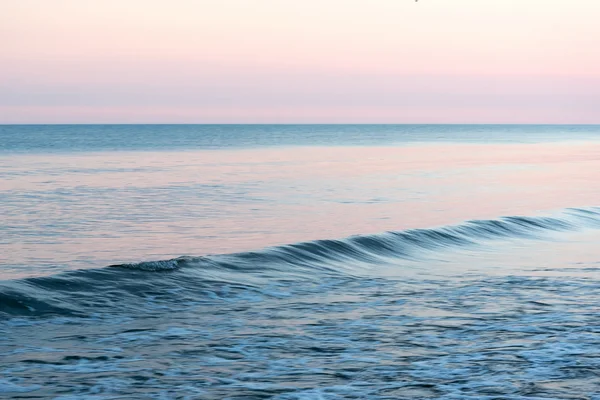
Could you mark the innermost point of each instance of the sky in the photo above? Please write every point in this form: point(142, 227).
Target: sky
point(299, 61)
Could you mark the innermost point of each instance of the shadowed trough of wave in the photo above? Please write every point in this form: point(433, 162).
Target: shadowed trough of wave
point(119, 288)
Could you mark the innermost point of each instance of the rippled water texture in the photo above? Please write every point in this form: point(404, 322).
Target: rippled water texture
point(300, 262)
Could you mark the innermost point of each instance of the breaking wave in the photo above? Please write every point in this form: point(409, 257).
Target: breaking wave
point(179, 281)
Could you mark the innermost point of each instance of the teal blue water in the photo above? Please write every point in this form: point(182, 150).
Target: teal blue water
point(71, 138)
point(299, 262)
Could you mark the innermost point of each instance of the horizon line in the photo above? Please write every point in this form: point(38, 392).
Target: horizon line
point(301, 123)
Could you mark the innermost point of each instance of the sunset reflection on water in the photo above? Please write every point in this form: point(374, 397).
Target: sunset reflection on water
point(96, 208)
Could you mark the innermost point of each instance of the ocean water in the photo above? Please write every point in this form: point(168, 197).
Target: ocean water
point(300, 262)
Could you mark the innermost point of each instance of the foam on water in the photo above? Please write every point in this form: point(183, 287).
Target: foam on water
point(513, 337)
point(490, 308)
point(317, 320)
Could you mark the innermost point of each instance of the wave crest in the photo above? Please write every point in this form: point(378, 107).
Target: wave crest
point(121, 286)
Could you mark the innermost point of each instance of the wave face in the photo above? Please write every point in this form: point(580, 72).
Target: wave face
point(426, 313)
point(185, 280)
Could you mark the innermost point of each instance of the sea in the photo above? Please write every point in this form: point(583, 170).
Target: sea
point(297, 262)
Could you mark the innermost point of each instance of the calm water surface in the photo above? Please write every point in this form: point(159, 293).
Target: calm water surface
point(300, 262)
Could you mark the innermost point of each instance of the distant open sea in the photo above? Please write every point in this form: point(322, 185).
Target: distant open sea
point(300, 262)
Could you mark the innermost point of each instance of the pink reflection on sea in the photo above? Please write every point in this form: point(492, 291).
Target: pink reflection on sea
point(96, 208)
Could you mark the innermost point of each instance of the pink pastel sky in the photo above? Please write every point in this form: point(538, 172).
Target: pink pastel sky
point(299, 61)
